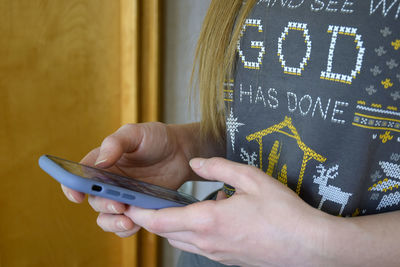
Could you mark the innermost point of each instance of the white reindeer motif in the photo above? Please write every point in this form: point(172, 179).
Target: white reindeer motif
point(329, 192)
point(249, 159)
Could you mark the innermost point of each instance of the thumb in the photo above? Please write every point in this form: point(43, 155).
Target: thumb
point(235, 174)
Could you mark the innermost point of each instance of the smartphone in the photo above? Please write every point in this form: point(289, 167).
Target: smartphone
point(109, 185)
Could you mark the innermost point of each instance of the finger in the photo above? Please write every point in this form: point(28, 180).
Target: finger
point(221, 195)
point(105, 205)
point(219, 169)
point(125, 140)
point(114, 223)
point(129, 233)
point(163, 221)
point(73, 195)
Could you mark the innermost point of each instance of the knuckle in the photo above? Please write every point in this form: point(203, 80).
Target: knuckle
point(156, 124)
point(214, 163)
point(110, 140)
point(255, 171)
point(127, 127)
point(155, 226)
point(151, 127)
point(205, 228)
point(208, 221)
point(247, 172)
point(250, 176)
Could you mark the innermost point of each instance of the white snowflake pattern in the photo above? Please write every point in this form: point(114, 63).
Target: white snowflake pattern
point(371, 90)
point(374, 196)
point(386, 32)
point(380, 51)
point(375, 176)
point(392, 64)
point(376, 70)
point(395, 95)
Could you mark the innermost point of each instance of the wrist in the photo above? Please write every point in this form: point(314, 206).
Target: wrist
point(190, 144)
point(193, 144)
point(336, 241)
point(321, 245)
point(186, 136)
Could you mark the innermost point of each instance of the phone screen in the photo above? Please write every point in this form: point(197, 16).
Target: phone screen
point(121, 181)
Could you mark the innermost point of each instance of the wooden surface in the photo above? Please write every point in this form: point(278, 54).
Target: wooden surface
point(150, 59)
point(130, 52)
point(59, 94)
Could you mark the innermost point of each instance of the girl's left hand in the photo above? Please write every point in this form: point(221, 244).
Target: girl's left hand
point(263, 224)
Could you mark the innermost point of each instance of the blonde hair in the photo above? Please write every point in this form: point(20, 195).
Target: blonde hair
point(214, 59)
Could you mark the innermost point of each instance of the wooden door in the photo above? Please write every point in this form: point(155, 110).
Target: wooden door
point(61, 84)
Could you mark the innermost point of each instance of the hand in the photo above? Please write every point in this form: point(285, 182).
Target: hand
point(264, 223)
point(149, 152)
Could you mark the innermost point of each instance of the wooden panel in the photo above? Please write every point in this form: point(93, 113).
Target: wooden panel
point(130, 81)
point(150, 60)
point(59, 94)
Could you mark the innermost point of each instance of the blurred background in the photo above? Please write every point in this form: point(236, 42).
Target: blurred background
point(71, 73)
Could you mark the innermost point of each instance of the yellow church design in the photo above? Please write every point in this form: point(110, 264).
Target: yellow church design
point(308, 153)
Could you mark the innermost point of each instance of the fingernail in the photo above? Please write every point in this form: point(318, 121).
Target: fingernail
point(99, 161)
point(121, 225)
point(196, 163)
point(71, 197)
point(112, 208)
